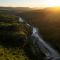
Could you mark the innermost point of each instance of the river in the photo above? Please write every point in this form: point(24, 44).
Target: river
point(49, 52)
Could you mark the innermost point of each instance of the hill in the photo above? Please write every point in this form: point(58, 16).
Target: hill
point(48, 22)
point(11, 38)
point(16, 9)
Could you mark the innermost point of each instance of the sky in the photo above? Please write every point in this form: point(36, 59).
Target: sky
point(29, 3)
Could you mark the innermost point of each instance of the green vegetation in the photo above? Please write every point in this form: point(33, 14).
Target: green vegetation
point(12, 54)
point(12, 35)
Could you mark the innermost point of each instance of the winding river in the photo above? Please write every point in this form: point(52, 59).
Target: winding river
point(49, 52)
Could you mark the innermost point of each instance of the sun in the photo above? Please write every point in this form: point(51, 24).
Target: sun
point(53, 3)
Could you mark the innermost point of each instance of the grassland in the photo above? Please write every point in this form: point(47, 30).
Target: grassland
point(10, 49)
point(12, 54)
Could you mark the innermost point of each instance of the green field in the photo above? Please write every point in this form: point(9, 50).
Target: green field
point(10, 30)
point(12, 54)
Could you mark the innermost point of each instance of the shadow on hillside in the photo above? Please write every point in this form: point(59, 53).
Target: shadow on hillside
point(11, 42)
point(30, 54)
point(18, 42)
point(9, 39)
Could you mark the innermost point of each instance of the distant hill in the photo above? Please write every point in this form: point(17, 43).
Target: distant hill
point(18, 9)
point(13, 10)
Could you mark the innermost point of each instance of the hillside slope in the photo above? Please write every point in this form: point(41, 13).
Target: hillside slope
point(48, 22)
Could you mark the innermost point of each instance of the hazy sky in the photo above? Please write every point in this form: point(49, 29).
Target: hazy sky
point(30, 3)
